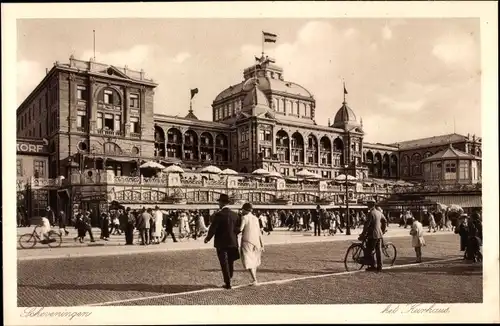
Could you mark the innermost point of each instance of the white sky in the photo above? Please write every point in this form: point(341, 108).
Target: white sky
point(407, 79)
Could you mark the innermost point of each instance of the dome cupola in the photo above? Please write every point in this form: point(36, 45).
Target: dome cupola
point(345, 117)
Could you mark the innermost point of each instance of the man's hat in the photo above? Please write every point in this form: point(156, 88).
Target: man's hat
point(223, 198)
point(247, 207)
point(157, 207)
point(371, 201)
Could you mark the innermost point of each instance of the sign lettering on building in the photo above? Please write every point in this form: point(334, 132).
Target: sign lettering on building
point(31, 148)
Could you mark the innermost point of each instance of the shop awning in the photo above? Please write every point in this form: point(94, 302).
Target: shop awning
point(464, 201)
point(117, 158)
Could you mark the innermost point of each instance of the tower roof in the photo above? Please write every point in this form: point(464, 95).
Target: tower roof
point(345, 117)
point(451, 153)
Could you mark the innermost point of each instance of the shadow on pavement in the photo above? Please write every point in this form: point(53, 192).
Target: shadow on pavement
point(450, 268)
point(155, 288)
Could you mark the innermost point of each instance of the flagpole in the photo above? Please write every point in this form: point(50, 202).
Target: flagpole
point(190, 102)
point(263, 43)
point(343, 83)
point(94, 44)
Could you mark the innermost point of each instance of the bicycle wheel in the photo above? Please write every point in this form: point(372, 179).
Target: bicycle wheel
point(390, 253)
point(27, 241)
point(55, 240)
point(353, 260)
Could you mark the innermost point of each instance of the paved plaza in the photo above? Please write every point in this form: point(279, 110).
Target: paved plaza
point(296, 269)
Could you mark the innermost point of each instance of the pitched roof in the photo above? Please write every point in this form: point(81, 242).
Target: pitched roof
point(430, 141)
point(199, 123)
point(451, 153)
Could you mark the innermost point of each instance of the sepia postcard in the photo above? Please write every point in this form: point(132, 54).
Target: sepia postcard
point(250, 162)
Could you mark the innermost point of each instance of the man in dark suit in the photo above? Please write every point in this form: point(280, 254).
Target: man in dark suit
point(225, 227)
point(316, 218)
point(373, 232)
point(169, 227)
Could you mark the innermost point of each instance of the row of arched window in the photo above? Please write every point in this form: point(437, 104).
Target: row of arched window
point(381, 165)
point(189, 146)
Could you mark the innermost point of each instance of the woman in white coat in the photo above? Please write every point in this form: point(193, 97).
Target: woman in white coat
point(417, 240)
point(251, 241)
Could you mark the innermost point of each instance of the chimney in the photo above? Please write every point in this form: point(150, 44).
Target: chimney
point(46, 71)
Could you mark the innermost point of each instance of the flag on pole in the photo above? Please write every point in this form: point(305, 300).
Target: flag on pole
point(345, 91)
point(269, 37)
point(194, 92)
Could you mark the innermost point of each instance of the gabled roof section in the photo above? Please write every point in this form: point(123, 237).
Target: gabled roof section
point(451, 153)
point(191, 115)
point(431, 141)
point(112, 70)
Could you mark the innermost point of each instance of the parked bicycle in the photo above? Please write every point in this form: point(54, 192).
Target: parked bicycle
point(29, 240)
point(355, 259)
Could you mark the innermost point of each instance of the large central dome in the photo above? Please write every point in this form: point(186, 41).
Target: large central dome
point(270, 79)
point(289, 100)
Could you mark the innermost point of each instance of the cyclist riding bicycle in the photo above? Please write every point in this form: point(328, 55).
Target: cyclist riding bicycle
point(44, 228)
point(373, 232)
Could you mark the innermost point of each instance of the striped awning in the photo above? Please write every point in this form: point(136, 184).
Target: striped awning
point(464, 201)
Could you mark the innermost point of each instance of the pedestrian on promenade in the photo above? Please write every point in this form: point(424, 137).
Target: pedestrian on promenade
point(417, 240)
point(463, 231)
point(104, 226)
point(80, 227)
point(129, 227)
point(475, 238)
point(251, 241)
point(158, 218)
point(87, 224)
point(152, 225)
point(62, 223)
point(169, 227)
point(373, 232)
point(432, 222)
point(50, 216)
point(141, 226)
point(225, 227)
point(315, 214)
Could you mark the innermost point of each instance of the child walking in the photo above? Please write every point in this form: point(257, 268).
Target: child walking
point(417, 241)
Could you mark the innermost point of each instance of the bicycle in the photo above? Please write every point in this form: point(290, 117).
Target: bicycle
point(29, 240)
point(356, 252)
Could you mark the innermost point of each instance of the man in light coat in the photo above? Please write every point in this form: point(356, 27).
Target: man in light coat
point(373, 232)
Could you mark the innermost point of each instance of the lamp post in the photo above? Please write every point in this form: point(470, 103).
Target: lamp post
point(348, 218)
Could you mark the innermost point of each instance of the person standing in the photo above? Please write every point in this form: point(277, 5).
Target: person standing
point(417, 240)
point(62, 223)
point(373, 232)
point(129, 227)
point(142, 217)
point(158, 218)
point(169, 228)
point(315, 214)
point(105, 226)
point(251, 241)
point(87, 222)
point(432, 222)
point(50, 216)
point(225, 227)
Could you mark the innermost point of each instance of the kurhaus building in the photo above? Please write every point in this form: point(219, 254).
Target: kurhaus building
point(100, 116)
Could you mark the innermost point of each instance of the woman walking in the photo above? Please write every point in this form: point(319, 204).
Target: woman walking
point(417, 241)
point(104, 226)
point(251, 241)
point(463, 231)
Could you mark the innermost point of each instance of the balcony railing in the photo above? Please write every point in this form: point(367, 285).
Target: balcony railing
point(135, 135)
point(108, 132)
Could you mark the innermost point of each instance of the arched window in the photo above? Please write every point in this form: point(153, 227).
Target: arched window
point(415, 164)
point(109, 96)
